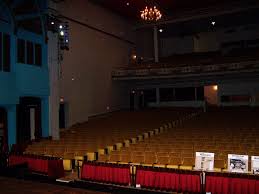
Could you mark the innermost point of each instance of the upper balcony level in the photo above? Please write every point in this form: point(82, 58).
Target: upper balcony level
point(23, 63)
point(237, 62)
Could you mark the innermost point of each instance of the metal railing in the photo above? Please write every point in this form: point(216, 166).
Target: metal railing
point(186, 69)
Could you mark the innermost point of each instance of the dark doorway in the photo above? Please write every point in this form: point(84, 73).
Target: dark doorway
point(62, 116)
point(132, 100)
point(3, 130)
point(149, 96)
point(141, 104)
point(28, 120)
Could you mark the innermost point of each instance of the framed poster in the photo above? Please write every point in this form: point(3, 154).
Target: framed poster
point(255, 164)
point(204, 161)
point(237, 163)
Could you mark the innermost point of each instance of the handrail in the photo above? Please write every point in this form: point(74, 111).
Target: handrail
point(186, 69)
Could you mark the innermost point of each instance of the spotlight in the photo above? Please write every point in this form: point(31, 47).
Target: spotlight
point(161, 30)
point(215, 88)
point(213, 23)
point(52, 23)
point(63, 29)
point(127, 3)
point(62, 33)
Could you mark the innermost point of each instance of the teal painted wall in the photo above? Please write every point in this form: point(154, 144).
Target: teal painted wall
point(24, 80)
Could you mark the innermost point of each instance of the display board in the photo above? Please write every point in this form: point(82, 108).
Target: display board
point(255, 164)
point(204, 161)
point(238, 163)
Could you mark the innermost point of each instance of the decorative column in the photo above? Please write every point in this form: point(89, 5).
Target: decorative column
point(54, 119)
point(156, 45)
point(11, 120)
point(54, 77)
point(45, 116)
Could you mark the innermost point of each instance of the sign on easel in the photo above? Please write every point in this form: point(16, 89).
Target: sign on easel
point(255, 164)
point(238, 163)
point(204, 161)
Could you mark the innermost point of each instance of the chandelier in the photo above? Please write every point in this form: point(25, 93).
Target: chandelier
point(151, 14)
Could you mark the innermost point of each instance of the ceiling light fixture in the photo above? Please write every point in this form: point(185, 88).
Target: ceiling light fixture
point(151, 14)
point(62, 33)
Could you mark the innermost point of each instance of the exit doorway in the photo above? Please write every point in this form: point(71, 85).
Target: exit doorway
point(3, 130)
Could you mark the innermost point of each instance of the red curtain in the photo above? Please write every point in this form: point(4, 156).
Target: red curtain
point(16, 160)
point(168, 181)
point(257, 186)
point(217, 184)
point(231, 185)
point(190, 183)
point(140, 177)
point(146, 178)
point(53, 168)
point(110, 173)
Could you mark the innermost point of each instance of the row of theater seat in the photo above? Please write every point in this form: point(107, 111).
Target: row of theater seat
point(215, 132)
point(85, 139)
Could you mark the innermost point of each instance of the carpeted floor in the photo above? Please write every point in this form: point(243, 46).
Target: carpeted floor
point(13, 186)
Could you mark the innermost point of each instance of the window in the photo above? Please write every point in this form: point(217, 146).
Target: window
point(20, 51)
point(5, 52)
point(200, 93)
point(150, 95)
point(185, 94)
point(30, 53)
point(38, 55)
point(235, 98)
point(166, 94)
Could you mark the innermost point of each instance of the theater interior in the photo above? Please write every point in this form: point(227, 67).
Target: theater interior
point(129, 96)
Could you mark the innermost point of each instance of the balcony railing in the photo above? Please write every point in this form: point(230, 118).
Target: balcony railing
point(160, 72)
